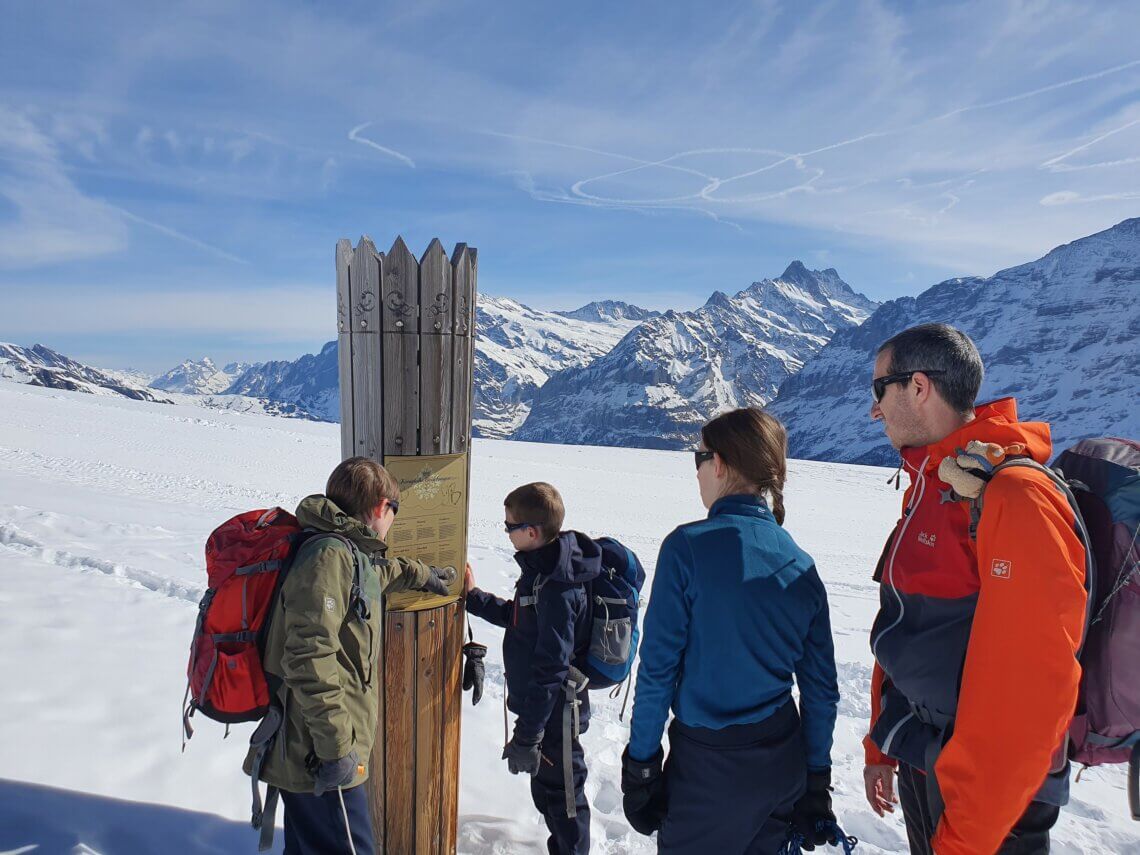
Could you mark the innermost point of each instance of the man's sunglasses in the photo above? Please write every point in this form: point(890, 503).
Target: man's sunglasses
point(702, 456)
point(509, 527)
point(879, 384)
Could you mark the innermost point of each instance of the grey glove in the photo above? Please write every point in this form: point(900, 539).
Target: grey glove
point(332, 774)
point(439, 580)
point(521, 757)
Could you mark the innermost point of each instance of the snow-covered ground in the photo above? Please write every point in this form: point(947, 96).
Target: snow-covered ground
point(104, 506)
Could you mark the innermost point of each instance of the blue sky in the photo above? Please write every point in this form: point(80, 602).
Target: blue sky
point(174, 176)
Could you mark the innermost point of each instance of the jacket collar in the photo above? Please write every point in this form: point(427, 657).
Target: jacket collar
point(571, 558)
point(321, 513)
point(740, 504)
point(995, 422)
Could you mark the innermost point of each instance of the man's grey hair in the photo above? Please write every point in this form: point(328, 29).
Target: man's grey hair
point(939, 347)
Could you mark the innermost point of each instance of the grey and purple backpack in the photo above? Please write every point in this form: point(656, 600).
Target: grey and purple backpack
point(1101, 479)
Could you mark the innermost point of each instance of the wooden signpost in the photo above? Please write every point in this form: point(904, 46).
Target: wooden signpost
point(406, 356)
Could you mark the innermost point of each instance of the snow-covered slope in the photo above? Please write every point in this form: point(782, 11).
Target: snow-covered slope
point(1060, 334)
point(518, 348)
point(41, 366)
point(200, 377)
point(673, 372)
point(104, 506)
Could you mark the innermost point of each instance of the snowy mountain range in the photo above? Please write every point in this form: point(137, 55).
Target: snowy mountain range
point(200, 377)
point(673, 372)
point(518, 349)
point(41, 366)
point(1060, 334)
point(309, 384)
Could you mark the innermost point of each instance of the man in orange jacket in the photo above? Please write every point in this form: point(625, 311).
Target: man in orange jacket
point(976, 640)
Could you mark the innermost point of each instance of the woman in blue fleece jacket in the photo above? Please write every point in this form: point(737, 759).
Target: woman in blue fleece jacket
point(736, 610)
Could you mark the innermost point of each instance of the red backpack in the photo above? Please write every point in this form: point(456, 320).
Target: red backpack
point(247, 558)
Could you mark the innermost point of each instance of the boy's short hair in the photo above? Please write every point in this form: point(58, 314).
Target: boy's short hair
point(538, 504)
point(358, 484)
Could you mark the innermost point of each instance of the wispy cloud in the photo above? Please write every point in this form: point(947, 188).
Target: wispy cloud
point(177, 235)
point(354, 135)
point(53, 220)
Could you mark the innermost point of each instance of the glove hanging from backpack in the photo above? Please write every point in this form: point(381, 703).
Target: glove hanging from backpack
point(969, 471)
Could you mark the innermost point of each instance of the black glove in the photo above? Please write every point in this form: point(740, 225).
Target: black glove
point(473, 669)
point(332, 774)
point(522, 757)
point(438, 580)
point(643, 787)
point(814, 809)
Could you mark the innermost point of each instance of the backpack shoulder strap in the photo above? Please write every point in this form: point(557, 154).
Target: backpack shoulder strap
point(532, 600)
point(1066, 489)
point(358, 603)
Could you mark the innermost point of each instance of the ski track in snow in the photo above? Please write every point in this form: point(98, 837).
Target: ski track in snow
point(104, 506)
point(15, 540)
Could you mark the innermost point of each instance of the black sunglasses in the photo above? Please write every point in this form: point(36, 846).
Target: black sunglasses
point(394, 504)
point(509, 527)
point(879, 384)
point(702, 456)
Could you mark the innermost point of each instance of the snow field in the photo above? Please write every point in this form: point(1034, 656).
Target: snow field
point(104, 507)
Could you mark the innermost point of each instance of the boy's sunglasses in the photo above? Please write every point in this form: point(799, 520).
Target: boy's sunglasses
point(879, 384)
point(509, 527)
point(702, 456)
point(394, 504)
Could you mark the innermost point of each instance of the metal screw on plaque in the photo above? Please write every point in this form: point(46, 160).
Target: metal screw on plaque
point(435, 439)
point(399, 323)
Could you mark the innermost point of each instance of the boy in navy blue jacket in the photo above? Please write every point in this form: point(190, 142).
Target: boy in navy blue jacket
point(547, 628)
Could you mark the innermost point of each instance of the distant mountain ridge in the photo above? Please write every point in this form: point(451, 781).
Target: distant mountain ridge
point(1060, 334)
point(310, 384)
point(200, 377)
point(673, 372)
point(610, 310)
point(41, 366)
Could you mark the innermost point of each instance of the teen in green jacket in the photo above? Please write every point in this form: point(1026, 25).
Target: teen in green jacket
point(321, 658)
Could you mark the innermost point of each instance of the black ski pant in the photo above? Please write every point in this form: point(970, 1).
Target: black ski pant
point(1029, 836)
point(728, 790)
point(568, 835)
point(315, 825)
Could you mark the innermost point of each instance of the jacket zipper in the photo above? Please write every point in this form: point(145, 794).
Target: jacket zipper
point(915, 500)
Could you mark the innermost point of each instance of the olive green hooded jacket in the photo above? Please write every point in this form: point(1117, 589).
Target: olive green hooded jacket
point(321, 654)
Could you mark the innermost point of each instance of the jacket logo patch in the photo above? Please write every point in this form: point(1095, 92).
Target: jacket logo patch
point(330, 604)
point(1001, 569)
point(927, 539)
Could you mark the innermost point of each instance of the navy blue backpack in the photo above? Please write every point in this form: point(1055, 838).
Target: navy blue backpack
point(615, 603)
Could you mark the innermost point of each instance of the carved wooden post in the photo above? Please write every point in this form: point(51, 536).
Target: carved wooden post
point(406, 353)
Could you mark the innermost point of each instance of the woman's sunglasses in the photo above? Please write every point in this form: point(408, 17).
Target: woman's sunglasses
point(702, 456)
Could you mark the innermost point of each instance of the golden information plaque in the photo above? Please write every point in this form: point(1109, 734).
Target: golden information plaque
point(432, 523)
